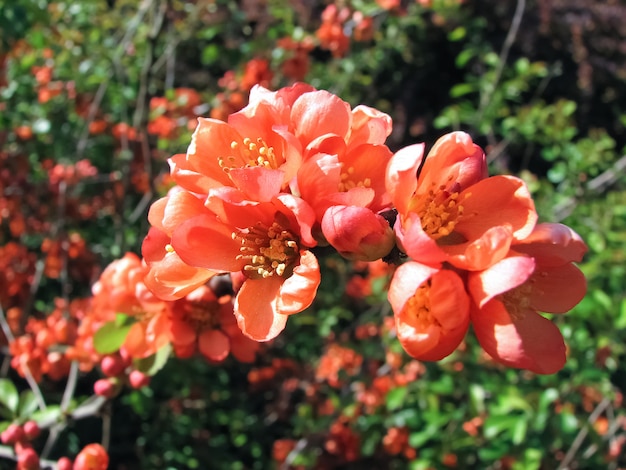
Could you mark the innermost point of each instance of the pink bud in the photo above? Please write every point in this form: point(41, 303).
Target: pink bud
point(27, 459)
point(13, 434)
point(357, 233)
point(64, 464)
point(107, 388)
point(138, 379)
point(112, 365)
point(31, 430)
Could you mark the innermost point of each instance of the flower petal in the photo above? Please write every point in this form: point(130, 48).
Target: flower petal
point(557, 289)
point(503, 276)
point(401, 175)
point(298, 291)
point(214, 345)
point(528, 341)
point(255, 309)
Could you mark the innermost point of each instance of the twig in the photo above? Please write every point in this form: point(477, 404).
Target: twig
point(504, 53)
point(32, 383)
point(580, 437)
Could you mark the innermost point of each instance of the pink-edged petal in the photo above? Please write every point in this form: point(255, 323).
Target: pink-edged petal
point(255, 309)
point(204, 242)
point(257, 183)
point(401, 175)
point(298, 291)
point(498, 200)
point(214, 345)
point(557, 289)
point(553, 244)
point(369, 125)
point(454, 156)
point(525, 341)
point(320, 112)
point(482, 253)
point(416, 243)
point(304, 217)
point(503, 276)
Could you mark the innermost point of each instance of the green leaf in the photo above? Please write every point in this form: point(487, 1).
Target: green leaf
point(395, 398)
point(27, 406)
point(457, 34)
point(111, 336)
point(461, 89)
point(8, 395)
point(152, 364)
point(48, 416)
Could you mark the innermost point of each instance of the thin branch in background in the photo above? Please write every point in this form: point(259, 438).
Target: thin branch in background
point(504, 54)
point(582, 434)
point(32, 383)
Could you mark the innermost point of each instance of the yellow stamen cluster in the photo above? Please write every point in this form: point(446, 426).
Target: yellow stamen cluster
point(418, 306)
point(249, 153)
point(348, 183)
point(439, 211)
point(268, 251)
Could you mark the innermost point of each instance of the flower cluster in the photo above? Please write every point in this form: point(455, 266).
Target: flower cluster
point(297, 169)
point(477, 255)
point(294, 169)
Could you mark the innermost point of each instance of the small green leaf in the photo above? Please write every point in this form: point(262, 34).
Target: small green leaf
point(110, 337)
point(395, 398)
point(48, 416)
point(27, 406)
point(457, 34)
point(461, 89)
point(152, 364)
point(8, 395)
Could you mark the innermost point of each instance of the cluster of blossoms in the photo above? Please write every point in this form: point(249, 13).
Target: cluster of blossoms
point(297, 170)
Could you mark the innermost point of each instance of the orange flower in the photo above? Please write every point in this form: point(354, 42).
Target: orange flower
point(431, 310)
point(202, 321)
point(452, 212)
point(537, 275)
point(266, 241)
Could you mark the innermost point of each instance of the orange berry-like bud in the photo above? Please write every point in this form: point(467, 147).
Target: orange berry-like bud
point(92, 457)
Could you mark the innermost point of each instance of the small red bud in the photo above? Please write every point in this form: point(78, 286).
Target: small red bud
point(27, 459)
point(13, 434)
point(107, 388)
point(31, 430)
point(112, 365)
point(64, 464)
point(138, 379)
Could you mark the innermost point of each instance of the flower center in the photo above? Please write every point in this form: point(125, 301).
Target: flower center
point(418, 306)
point(201, 315)
point(268, 251)
point(517, 301)
point(347, 181)
point(439, 210)
point(249, 153)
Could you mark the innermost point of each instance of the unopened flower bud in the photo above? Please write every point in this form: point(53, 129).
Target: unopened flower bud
point(138, 379)
point(357, 233)
point(64, 464)
point(12, 434)
point(27, 459)
point(112, 365)
point(31, 430)
point(92, 457)
point(107, 388)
